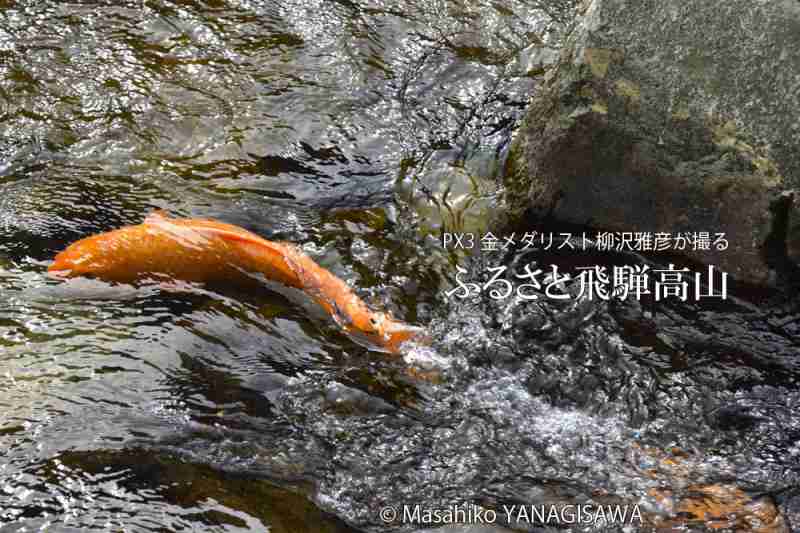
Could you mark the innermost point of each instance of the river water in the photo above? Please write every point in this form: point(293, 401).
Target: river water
point(359, 130)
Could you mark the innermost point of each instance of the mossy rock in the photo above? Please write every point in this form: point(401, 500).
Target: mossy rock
point(651, 121)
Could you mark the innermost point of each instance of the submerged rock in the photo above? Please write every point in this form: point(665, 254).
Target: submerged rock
point(666, 117)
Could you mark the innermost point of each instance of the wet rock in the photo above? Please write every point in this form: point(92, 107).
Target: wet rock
point(689, 504)
point(733, 417)
point(663, 116)
point(452, 193)
point(536, 59)
point(349, 401)
point(720, 506)
point(793, 230)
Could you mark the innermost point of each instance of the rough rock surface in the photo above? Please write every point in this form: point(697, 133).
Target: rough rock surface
point(672, 116)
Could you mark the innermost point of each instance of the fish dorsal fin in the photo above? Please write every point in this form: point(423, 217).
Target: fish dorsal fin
point(235, 236)
point(273, 259)
point(156, 216)
point(279, 257)
point(208, 227)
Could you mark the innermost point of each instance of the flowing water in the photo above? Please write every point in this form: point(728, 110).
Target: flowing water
point(359, 130)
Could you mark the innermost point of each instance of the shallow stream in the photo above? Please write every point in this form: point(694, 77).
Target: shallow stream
point(360, 131)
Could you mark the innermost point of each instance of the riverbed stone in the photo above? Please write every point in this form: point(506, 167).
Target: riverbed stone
point(671, 116)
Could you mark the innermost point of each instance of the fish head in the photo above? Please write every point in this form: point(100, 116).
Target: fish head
point(391, 333)
point(84, 257)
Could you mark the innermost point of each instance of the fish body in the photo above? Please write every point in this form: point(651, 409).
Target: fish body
point(201, 250)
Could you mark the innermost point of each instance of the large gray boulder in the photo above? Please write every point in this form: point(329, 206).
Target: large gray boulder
point(672, 116)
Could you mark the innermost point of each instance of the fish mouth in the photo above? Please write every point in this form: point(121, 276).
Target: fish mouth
point(391, 340)
point(399, 334)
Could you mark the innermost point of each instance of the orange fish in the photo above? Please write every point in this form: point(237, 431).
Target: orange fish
point(199, 250)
